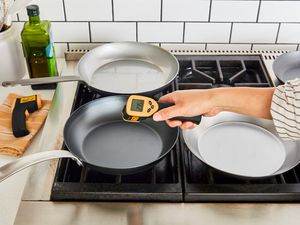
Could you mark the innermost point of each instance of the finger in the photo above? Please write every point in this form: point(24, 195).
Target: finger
point(173, 123)
point(187, 125)
point(167, 113)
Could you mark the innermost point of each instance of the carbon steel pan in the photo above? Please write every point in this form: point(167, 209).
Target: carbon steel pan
point(285, 156)
point(287, 66)
point(97, 137)
point(120, 68)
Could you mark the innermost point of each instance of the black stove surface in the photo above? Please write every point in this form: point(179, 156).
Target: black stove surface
point(181, 177)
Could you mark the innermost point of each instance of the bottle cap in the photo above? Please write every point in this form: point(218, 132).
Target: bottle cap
point(33, 10)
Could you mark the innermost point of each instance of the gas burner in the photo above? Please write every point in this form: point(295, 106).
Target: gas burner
point(221, 71)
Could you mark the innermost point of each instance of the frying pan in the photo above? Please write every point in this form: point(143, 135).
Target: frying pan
point(120, 68)
point(97, 137)
point(286, 157)
point(287, 66)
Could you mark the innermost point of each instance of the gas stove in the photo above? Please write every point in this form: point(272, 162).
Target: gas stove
point(181, 177)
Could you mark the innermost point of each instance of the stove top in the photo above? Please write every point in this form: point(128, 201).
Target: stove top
point(181, 177)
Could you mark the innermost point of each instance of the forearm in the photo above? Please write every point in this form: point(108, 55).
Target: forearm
point(249, 101)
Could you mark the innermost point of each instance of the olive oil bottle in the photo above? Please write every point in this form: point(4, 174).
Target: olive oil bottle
point(38, 47)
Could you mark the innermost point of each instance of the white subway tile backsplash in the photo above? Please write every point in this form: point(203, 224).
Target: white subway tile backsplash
point(183, 47)
point(18, 26)
point(228, 46)
point(279, 11)
point(188, 10)
point(70, 32)
point(14, 17)
point(49, 10)
point(274, 47)
point(88, 10)
point(289, 33)
point(200, 24)
point(234, 11)
point(117, 31)
point(60, 49)
point(137, 10)
point(160, 32)
point(254, 33)
point(83, 46)
point(207, 32)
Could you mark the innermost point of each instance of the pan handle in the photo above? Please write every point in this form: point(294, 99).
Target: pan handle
point(194, 119)
point(15, 166)
point(42, 80)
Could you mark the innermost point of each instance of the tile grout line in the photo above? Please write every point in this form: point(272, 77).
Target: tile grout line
point(278, 30)
point(90, 32)
point(161, 10)
point(64, 9)
point(258, 11)
point(209, 12)
point(112, 11)
point(136, 31)
point(183, 35)
point(230, 34)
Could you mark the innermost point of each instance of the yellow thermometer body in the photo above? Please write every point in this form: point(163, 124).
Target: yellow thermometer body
point(140, 107)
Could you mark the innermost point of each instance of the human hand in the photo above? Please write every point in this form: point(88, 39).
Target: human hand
point(187, 103)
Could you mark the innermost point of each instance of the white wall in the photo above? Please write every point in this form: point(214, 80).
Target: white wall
point(207, 24)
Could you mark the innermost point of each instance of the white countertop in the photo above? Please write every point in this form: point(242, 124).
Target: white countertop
point(11, 190)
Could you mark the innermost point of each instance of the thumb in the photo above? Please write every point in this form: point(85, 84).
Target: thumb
point(167, 113)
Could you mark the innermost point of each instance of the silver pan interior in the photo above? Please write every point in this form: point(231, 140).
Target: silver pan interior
point(291, 148)
point(287, 66)
point(128, 67)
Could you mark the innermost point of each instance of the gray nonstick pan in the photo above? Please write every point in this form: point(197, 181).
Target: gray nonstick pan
point(120, 68)
point(97, 137)
point(287, 66)
point(242, 146)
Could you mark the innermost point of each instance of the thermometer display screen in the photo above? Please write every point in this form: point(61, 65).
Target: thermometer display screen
point(137, 105)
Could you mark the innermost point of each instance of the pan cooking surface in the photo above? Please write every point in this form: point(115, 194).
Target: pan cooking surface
point(291, 74)
point(242, 149)
point(130, 76)
point(122, 145)
point(287, 66)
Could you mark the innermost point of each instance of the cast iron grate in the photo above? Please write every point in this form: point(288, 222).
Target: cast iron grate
point(204, 71)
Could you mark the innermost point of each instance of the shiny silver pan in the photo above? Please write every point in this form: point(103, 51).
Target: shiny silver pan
point(287, 66)
point(120, 68)
point(242, 146)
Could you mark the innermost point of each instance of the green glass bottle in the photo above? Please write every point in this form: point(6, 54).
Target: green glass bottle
point(38, 47)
